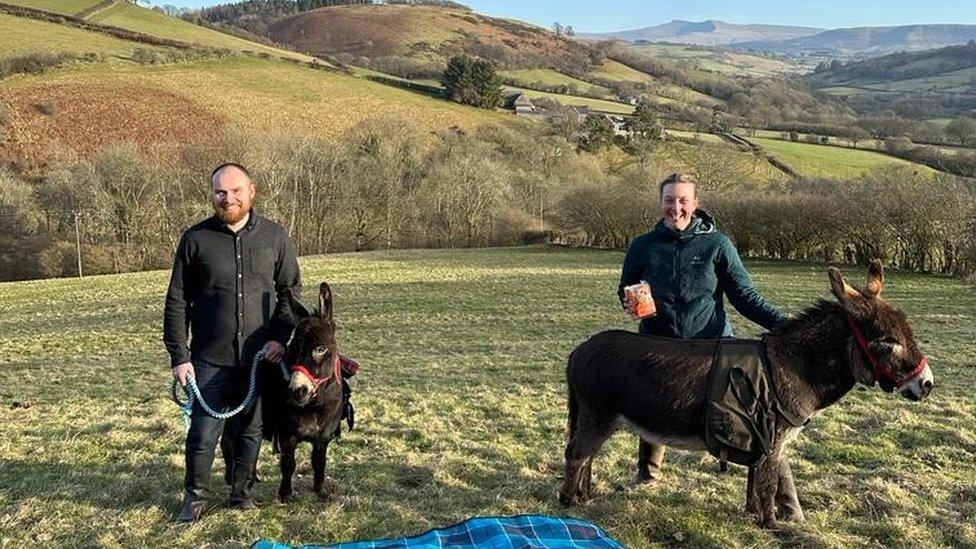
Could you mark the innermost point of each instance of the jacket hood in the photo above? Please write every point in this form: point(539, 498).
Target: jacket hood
point(702, 222)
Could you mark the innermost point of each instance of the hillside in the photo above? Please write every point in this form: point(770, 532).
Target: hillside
point(951, 69)
point(153, 23)
point(105, 96)
point(385, 34)
point(873, 41)
point(177, 103)
point(706, 33)
point(722, 61)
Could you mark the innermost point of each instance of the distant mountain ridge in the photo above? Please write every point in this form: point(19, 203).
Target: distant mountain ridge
point(705, 33)
point(792, 40)
point(871, 40)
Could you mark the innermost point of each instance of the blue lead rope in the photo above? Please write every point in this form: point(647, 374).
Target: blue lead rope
point(193, 394)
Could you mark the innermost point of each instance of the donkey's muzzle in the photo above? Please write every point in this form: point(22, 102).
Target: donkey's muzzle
point(919, 387)
point(300, 388)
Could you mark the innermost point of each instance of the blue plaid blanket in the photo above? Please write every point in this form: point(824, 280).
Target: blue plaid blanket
point(520, 532)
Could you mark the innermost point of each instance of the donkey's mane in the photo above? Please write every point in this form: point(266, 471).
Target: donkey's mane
point(811, 315)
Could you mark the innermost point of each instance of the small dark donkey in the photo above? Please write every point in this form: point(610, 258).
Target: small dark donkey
point(657, 387)
point(309, 408)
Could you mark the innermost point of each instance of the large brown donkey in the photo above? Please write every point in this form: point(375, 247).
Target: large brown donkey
point(658, 387)
point(308, 406)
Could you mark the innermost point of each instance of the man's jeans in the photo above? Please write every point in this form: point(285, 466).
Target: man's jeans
point(224, 388)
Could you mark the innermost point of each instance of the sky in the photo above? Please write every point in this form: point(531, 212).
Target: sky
point(614, 15)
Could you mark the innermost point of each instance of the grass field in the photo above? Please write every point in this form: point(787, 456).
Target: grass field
point(618, 72)
point(729, 63)
point(827, 161)
point(706, 137)
point(153, 23)
point(22, 36)
point(550, 77)
point(601, 105)
point(66, 7)
point(104, 103)
point(957, 81)
point(461, 412)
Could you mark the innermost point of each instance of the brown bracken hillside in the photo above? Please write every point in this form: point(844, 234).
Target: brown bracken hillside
point(426, 34)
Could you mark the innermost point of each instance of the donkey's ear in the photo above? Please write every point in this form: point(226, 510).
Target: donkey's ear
point(325, 301)
point(297, 309)
point(875, 279)
point(843, 291)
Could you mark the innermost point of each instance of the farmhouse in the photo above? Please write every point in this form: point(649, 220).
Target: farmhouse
point(619, 124)
point(520, 103)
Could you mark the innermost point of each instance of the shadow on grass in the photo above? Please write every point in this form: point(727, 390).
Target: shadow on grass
point(108, 486)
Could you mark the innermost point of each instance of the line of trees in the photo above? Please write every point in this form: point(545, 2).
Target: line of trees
point(385, 185)
point(907, 220)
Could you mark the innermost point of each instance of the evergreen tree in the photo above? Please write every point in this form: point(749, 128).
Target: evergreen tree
point(644, 123)
point(472, 82)
point(596, 133)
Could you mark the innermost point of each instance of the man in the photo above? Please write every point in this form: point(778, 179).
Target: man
point(228, 288)
point(689, 266)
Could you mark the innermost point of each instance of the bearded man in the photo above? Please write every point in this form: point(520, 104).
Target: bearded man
point(227, 300)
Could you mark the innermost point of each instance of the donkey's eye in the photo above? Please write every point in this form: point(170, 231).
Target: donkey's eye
point(320, 352)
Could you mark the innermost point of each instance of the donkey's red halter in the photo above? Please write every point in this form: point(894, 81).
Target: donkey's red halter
point(880, 373)
point(319, 381)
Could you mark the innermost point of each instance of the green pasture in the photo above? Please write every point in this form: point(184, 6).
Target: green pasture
point(22, 36)
point(66, 7)
point(135, 18)
point(601, 105)
point(461, 412)
point(718, 61)
point(697, 136)
point(549, 77)
point(828, 161)
point(957, 81)
point(616, 71)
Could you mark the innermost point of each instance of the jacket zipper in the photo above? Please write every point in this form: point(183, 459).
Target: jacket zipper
point(677, 294)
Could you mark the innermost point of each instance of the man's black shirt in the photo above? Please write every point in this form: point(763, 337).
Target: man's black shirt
point(228, 290)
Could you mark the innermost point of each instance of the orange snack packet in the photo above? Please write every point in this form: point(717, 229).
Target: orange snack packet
point(640, 299)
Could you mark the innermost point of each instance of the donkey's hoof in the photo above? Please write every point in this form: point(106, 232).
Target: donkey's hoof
point(323, 494)
point(285, 497)
point(770, 524)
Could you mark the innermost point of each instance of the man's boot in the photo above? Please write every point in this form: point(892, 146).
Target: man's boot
point(650, 458)
point(241, 489)
point(194, 504)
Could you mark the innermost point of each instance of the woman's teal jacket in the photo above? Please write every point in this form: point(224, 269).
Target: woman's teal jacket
point(689, 271)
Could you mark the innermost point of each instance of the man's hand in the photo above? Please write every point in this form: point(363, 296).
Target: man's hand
point(273, 351)
point(181, 371)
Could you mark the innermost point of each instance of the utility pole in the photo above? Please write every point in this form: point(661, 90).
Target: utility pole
point(78, 242)
point(541, 196)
